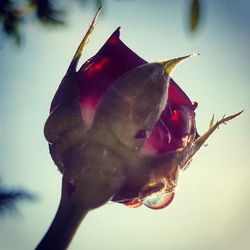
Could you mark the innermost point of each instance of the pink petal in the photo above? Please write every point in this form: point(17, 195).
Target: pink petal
point(171, 132)
point(133, 203)
point(98, 73)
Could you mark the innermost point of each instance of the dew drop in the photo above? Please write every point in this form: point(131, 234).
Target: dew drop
point(159, 201)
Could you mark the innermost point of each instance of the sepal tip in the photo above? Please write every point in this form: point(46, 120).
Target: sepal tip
point(171, 64)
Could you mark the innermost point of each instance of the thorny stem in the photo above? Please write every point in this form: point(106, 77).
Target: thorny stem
point(195, 145)
point(181, 158)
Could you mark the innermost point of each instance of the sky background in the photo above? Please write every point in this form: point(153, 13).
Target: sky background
point(211, 208)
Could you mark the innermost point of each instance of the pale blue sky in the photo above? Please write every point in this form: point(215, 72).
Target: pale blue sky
point(211, 207)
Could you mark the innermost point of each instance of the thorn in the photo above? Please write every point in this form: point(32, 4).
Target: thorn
point(170, 65)
point(85, 40)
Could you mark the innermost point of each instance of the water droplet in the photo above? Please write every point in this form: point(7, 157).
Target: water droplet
point(158, 201)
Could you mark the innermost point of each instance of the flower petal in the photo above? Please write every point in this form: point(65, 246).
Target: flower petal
point(133, 203)
point(171, 132)
point(99, 72)
point(177, 96)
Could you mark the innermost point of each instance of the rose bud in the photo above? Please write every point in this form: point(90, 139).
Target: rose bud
point(119, 129)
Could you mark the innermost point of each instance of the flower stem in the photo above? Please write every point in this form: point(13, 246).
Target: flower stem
point(64, 226)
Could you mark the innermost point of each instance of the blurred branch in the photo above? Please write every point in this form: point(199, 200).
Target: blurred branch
point(10, 198)
point(47, 11)
point(13, 14)
point(9, 18)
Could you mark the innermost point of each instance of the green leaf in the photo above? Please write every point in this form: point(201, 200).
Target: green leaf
point(195, 13)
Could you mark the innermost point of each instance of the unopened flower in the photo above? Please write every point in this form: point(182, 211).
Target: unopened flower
point(119, 129)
